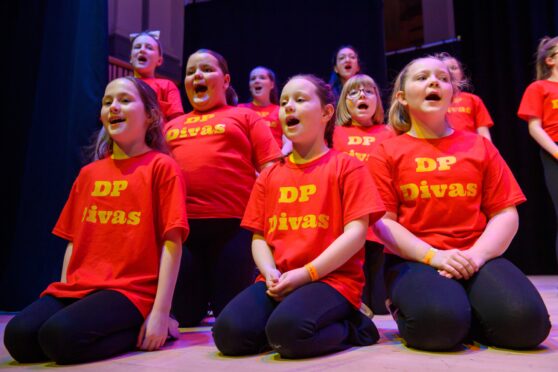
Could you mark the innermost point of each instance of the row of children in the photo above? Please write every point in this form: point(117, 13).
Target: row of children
point(441, 203)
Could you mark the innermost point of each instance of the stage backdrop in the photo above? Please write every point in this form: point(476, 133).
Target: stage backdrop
point(55, 81)
point(288, 36)
point(499, 40)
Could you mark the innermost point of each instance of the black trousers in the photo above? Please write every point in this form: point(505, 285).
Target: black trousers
point(374, 291)
point(550, 165)
point(216, 265)
point(69, 330)
point(313, 320)
point(498, 306)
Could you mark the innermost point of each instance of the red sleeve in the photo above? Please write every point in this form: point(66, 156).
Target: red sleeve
point(264, 146)
point(381, 171)
point(64, 227)
point(482, 116)
point(173, 105)
point(171, 198)
point(254, 214)
point(500, 189)
point(360, 196)
point(531, 105)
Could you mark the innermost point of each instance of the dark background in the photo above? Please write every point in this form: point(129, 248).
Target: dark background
point(56, 53)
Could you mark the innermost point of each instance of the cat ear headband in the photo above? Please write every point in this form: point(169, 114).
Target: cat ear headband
point(154, 34)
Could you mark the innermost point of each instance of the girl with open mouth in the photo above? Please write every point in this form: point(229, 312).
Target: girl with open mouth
point(451, 214)
point(360, 128)
point(309, 214)
point(264, 91)
point(145, 56)
point(219, 148)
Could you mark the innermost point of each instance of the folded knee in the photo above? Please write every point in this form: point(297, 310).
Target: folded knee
point(231, 338)
point(523, 327)
point(285, 333)
point(436, 328)
point(21, 342)
point(58, 341)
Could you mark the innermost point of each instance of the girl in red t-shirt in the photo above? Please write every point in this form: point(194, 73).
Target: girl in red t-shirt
point(467, 111)
point(309, 214)
point(539, 107)
point(125, 223)
point(346, 64)
point(360, 128)
point(219, 148)
point(146, 55)
point(263, 88)
point(451, 214)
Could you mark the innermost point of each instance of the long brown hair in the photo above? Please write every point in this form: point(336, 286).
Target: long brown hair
point(154, 137)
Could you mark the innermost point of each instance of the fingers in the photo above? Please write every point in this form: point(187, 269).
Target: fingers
point(458, 265)
point(153, 343)
point(141, 334)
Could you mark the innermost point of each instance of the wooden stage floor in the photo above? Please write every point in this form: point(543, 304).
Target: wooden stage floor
point(195, 351)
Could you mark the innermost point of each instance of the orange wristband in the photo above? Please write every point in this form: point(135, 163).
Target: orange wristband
point(428, 256)
point(312, 271)
point(555, 155)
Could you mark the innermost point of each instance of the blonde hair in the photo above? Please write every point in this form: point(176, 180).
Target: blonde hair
point(398, 117)
point(547, 48)
point(343, 117)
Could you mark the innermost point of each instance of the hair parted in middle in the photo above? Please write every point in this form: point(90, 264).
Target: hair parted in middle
point(154, 137)
point(398, 116)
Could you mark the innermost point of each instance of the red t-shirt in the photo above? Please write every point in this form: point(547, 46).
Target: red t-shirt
point(302, 208)
point(219, 152)
point(468, 112)
point(168, 97)
point(270, 115)
point(444, 190)
point(540, 100)
point(359, 141)
point(116, 217)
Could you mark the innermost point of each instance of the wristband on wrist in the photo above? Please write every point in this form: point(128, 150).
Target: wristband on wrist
point(555, 155)
point(312, 271)
point(428, 256)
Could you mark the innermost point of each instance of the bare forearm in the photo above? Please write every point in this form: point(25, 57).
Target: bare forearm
point(263, 257)
point(485, 132)
point(399, 240)
point(67, 256)
point(497, 235)
point(168, 272)
point(343, 248)
point(541, 137)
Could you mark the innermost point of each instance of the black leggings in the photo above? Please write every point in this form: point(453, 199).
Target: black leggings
point(313, 320)
point(374, 291)
point(70, 330)
point(550, 165)
point(216, 265)
point(498, 306)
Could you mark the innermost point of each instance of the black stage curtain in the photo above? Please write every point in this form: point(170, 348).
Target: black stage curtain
point(57, 73)
point(499, 40)
point(288, 36)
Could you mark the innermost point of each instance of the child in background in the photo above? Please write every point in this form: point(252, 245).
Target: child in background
point(125, 222)
point(450, 200)
point(146, 55)
point(219, 148)
point(346, 64)
point(263, 88)
point(538, 108)
point(360, 128)
point(467, 111)
point(309, 214)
